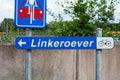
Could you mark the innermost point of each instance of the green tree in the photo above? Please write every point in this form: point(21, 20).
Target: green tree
point(86, 16)
point(7, 25)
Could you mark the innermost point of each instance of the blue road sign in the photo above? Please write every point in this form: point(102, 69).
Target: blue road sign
point(30, 13)
point(64, 43)
point(56, 43)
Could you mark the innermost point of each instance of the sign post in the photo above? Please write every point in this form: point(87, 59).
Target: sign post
point(99, 57)
point(29, 14)
point(28, 66)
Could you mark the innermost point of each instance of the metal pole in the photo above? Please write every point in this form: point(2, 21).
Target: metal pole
point(77, 65)
point(99, 57)
point(28, 66)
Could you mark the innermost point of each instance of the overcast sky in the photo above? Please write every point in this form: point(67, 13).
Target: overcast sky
point(7, 9)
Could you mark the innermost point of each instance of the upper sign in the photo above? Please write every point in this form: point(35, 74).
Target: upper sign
point(64, 43)
point(30, 13)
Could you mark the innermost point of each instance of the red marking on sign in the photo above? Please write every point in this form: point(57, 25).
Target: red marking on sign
point(23, 12)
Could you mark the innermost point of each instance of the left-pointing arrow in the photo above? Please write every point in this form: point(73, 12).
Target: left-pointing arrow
point(21, 43)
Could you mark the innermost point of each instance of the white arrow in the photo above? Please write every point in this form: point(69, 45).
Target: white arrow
point(21, 43)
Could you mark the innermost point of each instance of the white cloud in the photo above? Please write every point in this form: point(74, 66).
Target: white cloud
point(6, 9)
point(7, 6)
point(54, 7)
point(117, 13)
point(0, 2)
point(57, 9)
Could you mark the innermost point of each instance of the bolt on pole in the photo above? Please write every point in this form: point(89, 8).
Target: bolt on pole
point(28, 66)
point(99, 57)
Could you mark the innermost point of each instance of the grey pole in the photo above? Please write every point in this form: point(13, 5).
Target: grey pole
point(77, 65)
point(28, 66)
point(99, 57)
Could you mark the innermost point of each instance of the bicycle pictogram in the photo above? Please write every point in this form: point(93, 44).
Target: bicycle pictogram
point(103, 42)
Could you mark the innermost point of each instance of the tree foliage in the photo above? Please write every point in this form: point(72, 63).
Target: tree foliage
point(7, 25)
point(86, 16)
